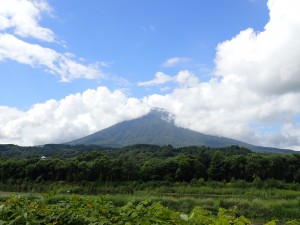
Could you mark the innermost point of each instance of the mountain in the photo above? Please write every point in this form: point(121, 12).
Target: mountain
point(158, 128)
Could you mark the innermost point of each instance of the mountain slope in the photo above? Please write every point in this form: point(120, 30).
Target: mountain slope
point(158, 128)
point(153, 128)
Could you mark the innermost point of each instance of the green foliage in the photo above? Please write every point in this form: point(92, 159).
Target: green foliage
point(146, 163)
point(77, 210)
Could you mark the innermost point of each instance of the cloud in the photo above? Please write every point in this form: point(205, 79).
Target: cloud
point(19, 19)
point(224, 109)
point(23, 17)
point(175, 61)
point(71, 117)
point(160, 78)
point(186, 79)
point(183, 78)
point(37, 56)
point(267, 61)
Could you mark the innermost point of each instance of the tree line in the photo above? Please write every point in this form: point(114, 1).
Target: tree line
point(148, 163)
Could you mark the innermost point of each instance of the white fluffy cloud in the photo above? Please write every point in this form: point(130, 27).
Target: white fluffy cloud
point(23, 17)
point(218, 108)
point(72, 117)
point(19, 19)
point(267, 61)
point(35, 55)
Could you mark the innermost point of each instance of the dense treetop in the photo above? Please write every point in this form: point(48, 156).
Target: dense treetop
point(144, 163)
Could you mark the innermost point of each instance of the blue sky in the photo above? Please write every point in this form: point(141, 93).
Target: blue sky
point(222, 67)
point(134, 38)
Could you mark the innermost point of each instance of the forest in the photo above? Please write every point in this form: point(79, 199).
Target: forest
point(145, 163)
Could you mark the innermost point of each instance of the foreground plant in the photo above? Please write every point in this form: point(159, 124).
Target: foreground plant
point(78, 211)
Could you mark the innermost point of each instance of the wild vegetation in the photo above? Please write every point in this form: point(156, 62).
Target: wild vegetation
point(257, 200)
point(99, 210)
point(260, 186)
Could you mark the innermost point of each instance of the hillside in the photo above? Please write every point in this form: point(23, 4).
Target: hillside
point(158, 128)
point(154, 128)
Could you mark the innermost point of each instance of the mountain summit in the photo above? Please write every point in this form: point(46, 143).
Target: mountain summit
point(157, 127)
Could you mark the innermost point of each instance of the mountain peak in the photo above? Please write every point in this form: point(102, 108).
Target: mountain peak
point(157, 127)
point(161, 113)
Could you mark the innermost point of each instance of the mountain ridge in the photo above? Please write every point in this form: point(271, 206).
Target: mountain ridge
point(158, 128)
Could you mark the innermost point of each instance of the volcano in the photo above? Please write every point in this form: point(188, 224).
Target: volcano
point(158, 128)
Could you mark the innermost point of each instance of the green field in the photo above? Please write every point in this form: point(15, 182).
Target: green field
point(258, 204)
point(98, 210)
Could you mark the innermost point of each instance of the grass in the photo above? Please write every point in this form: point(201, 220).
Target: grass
point(260, 205)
